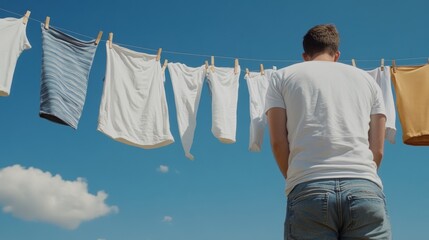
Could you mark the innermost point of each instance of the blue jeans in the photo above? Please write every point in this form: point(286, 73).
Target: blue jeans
point(343, 209)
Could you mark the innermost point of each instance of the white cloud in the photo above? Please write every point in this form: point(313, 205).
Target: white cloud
point(34, 195)
point(163, 169)
point(167, 219)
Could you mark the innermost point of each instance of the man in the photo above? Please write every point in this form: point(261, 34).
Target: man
point(327, 126)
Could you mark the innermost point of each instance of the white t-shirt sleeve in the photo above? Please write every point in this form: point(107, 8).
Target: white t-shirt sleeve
point(377, 101)
point(274, 97)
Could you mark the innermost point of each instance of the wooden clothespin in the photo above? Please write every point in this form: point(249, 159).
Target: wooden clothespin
point(100, 34)
point(247, 71)
point(353, 62)
point(382, 64)
point(26, 17)
point(110, 40)
point(206, 64)
point(261, 69)
point(212, 64)
point(428, 60)
point(394, 65)
point(158, 55)
point(236, 66)
point(47, 20)
point(164, 66)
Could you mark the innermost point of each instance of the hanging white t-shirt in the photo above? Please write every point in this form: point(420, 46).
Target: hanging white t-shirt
point(13, 41)
point(187, 85)
point(328, 107)
point(383, 80)
point(133, 107)
point(223, 84)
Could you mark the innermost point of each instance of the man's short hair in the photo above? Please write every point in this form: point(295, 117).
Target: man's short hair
point(321, 38)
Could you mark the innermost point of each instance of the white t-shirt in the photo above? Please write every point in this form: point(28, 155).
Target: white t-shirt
point(13, 41)
point(328, 107)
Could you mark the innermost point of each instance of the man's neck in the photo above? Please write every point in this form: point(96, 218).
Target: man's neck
point(324, 57)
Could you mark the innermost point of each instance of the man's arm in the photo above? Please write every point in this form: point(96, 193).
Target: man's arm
point(377, 129)
point(277, 120)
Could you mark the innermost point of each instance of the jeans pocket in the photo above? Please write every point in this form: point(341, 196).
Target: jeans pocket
point(306, 211)
point(366, 208)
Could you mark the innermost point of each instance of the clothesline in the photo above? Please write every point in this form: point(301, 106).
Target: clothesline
point(217, 56)
point(55, 74)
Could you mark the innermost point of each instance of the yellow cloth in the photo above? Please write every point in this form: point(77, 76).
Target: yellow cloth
point(412, 100)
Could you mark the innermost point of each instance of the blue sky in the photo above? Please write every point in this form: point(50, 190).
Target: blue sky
point(227, 192)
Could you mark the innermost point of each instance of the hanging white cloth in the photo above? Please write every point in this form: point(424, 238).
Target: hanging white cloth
point(187, 85)
point(257, 85)
point(223, 84)
point(383, 80)
point(13, 42)
point(133, 108)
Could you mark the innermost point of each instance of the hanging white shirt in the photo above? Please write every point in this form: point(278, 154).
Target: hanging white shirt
point(223, 84)
point(187, 85)
point(383, 80)
point(133, 107)
point(13, 41)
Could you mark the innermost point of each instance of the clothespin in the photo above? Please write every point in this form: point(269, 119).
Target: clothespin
point(394, 65)
point(47, 20)
point(274, 68)
point(110, 40)
point(236, 66)
point(164, 66)
point(212, 64)
point(26, 17)
point(100, 34)
point(382, 64)
point(261, 67)
point(206, 63)
point(158, 55)
point(353, 62)
point(428, 60)
point(247, 71)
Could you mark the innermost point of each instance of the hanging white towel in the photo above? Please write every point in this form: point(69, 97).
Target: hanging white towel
point(133, 107)
point(223, 84)
point(187, 84)
point(383, 80)
point(257, 85)
point(13, 41)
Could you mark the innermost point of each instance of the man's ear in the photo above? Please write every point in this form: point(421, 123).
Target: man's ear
point(306, 57)
point(337, 56)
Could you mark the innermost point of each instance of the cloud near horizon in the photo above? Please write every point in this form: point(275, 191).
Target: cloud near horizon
point(33, 195)
point(167, 219)
point(163, 169)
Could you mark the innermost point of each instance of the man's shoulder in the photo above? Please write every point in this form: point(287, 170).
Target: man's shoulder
point(322, 65)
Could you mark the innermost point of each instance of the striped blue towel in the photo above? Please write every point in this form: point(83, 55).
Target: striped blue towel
point(66, 63)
